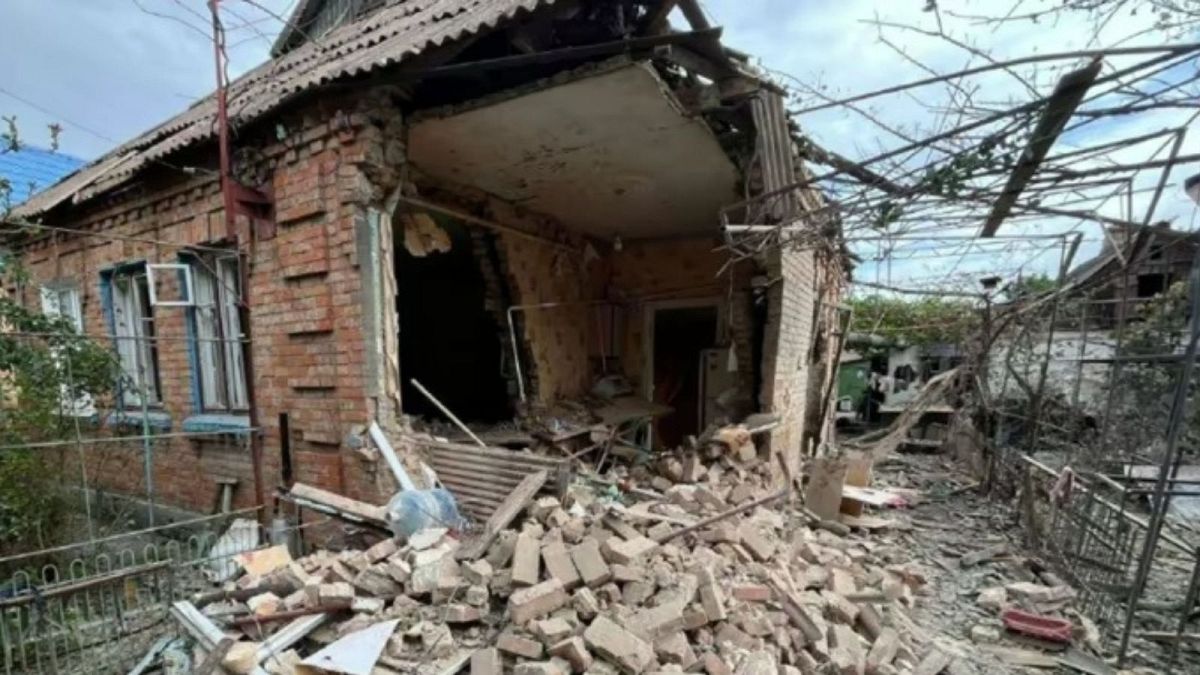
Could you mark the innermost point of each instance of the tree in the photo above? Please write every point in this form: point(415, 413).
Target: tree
point(1025, 288)
point(1144, 391)
point(925, 321)
point(45, 368)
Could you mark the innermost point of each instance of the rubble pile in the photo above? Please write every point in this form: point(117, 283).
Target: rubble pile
point(722, 573)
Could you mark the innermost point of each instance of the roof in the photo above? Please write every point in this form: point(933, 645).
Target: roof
point(31, 169)
point(1084, 271)
point(397, 33)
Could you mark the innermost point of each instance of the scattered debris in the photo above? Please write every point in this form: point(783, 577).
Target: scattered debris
point(695, 561)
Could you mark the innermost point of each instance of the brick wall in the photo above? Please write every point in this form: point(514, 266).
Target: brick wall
point(322, 305)
point(788, 340)
point(306, 318)
point(657, 271)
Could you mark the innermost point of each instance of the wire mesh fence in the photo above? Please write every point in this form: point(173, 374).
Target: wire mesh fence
point(1092, 425)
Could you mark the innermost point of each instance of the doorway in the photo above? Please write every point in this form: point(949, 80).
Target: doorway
point(449, 341)
point(678, 336)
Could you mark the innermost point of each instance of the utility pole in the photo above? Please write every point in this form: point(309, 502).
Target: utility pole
point(233, 196)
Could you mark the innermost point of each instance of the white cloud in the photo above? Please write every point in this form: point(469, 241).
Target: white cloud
point(833, 43)
point(110, 67)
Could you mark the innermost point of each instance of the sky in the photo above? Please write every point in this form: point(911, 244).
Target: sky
point(107, 70)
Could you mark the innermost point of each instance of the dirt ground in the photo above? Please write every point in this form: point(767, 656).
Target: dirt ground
point(950, 521)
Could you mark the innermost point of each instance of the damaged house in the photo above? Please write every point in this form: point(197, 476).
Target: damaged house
point(505, 201)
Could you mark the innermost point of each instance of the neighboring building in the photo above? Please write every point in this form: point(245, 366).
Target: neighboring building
point(900, 369)
point(502, 200)
point(1085, 336)
point(30, 169)
point(1165, 259)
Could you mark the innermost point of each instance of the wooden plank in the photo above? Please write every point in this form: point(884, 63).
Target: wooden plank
point(460, 450)
point(516, 502)
point(364, 512)
point(478, 479)
point(724, 515)
point(478, 493)
point(512, 476)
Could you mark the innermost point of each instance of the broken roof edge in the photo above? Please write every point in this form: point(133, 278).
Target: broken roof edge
point(301, 16)
point(575, 75)
point(386, 38)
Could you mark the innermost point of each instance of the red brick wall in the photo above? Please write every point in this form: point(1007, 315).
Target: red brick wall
point(306, 317)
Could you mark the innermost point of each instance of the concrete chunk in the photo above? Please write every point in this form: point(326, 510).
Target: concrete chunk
point(478, 572)
point(714, 665)
point(536, 601)
point(552, 630)
point(626, 552)
point(264, 604)
point(994, 598)
point(655, 622)
point(589, 562)
point(377, 582)
point(712, 599)
point(574, 652)
point(334, 593)
point(383, 549)
point(586, 605)
point(427, 538)
point(511, 643)
point(501, 551)
point(487, 661)
point(675, 648)
point(760, 546)
point(537, 668)
point(846, 654)
point(460, 614)
point(559, 565)
point(628, 652)
point(526, 567)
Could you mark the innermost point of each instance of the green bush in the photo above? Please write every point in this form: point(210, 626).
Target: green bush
point(44, 363)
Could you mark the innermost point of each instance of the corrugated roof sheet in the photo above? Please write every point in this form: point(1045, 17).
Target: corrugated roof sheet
point(31, 169)
point(398, 32)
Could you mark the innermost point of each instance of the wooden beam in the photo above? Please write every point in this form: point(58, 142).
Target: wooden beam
point(581, 52)
point(508, 511)
point(656, 20)
point(694, 15)
point(700, 525)
point(1067, 96)
point(337, 505)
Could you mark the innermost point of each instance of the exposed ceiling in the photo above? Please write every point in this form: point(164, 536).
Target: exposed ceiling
point(609, 154)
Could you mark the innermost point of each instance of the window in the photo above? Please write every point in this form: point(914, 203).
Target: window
point(218, 333)
point(133, 332)
point(1150, 285)
point(61, 300)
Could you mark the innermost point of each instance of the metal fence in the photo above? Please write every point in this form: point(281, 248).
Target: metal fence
point(99, 605)
point(1103, 528)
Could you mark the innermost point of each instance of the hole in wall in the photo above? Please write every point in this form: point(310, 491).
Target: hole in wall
point(449, 340)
